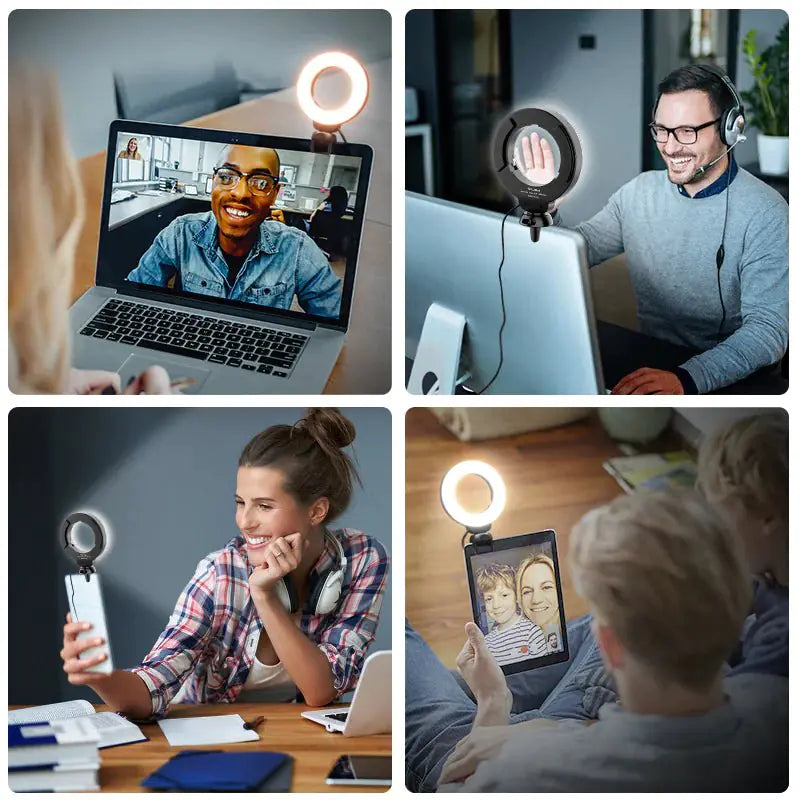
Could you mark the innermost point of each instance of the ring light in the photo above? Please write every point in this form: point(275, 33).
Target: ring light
point(475, 522)
point(331, 119)
point(536, 200)
point(84, 558)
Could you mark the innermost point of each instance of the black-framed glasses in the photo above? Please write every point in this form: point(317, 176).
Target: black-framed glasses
point(258, 183)
point(684, 134)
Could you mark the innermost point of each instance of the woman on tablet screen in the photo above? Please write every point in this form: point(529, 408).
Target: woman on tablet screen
point(287, 607)
point(538, 593)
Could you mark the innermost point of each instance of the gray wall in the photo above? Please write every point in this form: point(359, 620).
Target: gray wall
point(267, 48)
point(165, 480)
point(599, 91)
point(767, 24)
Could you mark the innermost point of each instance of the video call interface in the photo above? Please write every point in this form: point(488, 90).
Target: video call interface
point(207, 218)
point(516, 597)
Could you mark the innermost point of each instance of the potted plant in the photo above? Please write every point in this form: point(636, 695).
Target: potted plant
point(768, 100)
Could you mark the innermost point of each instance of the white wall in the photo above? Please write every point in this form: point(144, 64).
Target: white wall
point(599, 91)
point(267, 48)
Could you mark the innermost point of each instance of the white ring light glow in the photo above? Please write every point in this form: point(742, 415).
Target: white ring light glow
point(359, 88)
point(469, 519)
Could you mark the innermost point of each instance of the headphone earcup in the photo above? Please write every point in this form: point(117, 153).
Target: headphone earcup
point(287, 595)
point(730, 129)
point(326, 594)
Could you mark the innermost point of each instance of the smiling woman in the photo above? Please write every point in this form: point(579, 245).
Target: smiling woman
point(288, 607)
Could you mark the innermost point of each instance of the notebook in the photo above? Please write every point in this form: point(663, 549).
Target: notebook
point(217, 771)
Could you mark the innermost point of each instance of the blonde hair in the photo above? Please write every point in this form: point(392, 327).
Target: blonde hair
point(44, 224)
point(748, 461)
point(669, 578)
point(490, 576)
point(536, 558)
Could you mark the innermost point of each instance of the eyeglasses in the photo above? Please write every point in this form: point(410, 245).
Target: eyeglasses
point(685, 134)
point(258, 183)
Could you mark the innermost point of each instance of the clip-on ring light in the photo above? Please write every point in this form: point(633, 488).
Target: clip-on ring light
point(84, 558)
point(536, 201)
point(478, 524)
point(328, 121)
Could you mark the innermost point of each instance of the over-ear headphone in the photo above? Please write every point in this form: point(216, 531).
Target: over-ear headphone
point(325, 594)
point(732, 119)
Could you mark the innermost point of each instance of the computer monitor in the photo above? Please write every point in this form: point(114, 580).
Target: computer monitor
point(550, 339)
point(209, 184)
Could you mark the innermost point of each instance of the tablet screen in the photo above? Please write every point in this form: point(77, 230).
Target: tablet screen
point(515, 589)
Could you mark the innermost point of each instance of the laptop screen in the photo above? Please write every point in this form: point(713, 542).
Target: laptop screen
point(235, 220)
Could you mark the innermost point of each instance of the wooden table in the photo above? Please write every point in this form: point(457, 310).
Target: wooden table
point(364, 366)
point(283, 730)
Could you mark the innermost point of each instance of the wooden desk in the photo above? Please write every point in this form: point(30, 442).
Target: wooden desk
point(364, 366)
point(283, 730)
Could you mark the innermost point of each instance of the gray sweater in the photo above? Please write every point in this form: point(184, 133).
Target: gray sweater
point(741, 746)
point(670, 242)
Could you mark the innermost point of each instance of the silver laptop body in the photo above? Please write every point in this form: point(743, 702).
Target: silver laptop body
point(550, 339)
point(370, 712)
point(253, 369)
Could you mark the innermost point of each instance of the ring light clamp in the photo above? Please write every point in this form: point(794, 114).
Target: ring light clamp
point(536, 201)
point(84, 558)
point(477, 524)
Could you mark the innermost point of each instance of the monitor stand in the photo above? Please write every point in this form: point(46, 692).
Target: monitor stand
point(435, 369)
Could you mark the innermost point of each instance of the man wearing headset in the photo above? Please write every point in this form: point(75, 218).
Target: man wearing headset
point(707, 243)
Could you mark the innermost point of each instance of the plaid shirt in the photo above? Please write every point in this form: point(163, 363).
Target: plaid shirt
point(204, 647)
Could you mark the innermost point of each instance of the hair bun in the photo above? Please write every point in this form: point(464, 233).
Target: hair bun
point(329, 428)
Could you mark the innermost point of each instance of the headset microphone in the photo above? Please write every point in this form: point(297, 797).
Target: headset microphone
point(702, 170)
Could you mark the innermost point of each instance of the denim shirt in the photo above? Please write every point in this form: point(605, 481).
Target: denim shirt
point(284, 262)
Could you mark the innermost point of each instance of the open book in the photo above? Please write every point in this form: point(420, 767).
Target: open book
point(112, 728)
point(653, 471)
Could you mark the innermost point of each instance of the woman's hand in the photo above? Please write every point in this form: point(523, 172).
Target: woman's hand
point(75, 667)
point(154, 380)
point(92, 381)
point(282, 556)
point(480, 670)
point(481, 745)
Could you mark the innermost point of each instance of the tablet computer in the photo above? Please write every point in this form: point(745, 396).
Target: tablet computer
point(515, 589)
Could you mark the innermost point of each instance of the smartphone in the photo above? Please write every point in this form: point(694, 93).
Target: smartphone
point(361, 771)
point(86, 605)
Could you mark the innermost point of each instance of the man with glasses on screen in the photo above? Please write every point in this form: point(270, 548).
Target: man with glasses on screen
point(706, 243)
point(237, 250)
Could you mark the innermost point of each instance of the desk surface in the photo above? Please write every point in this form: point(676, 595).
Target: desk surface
point(364, 366)
point(314, 749)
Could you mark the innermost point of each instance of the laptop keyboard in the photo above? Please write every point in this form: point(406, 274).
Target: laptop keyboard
point(341, 717)
point(249, 347)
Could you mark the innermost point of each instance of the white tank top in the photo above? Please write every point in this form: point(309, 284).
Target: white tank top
point(268, 683)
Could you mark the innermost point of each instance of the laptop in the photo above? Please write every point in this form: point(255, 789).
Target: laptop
point(371, 710)
point(167, 294)
point(550, 341)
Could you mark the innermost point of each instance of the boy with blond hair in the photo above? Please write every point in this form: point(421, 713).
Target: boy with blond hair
point(667, 583)
point(512, 637)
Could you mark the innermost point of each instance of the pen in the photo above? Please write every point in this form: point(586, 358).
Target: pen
point(253, 724)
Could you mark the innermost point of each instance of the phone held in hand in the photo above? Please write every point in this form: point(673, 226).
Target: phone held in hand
point(86, 605)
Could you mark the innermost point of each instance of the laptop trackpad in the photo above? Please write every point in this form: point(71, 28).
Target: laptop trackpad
point(135, 364)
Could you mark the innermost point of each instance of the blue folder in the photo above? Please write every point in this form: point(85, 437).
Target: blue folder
point(217, 771)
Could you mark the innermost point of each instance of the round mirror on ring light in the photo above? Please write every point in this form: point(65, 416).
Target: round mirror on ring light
point(529, 182)
point(473, 521)
point(330, 120)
